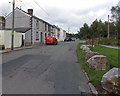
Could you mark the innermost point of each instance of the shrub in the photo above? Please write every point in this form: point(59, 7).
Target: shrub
point(2, 47)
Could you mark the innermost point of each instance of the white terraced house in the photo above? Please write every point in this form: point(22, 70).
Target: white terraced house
point(35, 29)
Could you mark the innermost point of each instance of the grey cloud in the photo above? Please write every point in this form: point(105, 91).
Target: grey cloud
point(71, 16)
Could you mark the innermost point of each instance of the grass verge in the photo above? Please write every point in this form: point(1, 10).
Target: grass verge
point(112, 55)
point(95, 76)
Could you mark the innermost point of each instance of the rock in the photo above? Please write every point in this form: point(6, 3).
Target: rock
point(89, 54)
point(111, 81)
point(87, 49)
point(97, 62)
point(84, 47)
point(90, 46)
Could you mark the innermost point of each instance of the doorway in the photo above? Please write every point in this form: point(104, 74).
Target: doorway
point(41, 37)
point(45, 35)
point(22, 41)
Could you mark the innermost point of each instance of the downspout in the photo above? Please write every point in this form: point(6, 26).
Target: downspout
point(31, 31)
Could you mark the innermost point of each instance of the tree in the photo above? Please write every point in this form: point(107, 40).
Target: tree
point(94, 26)
point(84, 31)
point(116, 13)
point(116, 18)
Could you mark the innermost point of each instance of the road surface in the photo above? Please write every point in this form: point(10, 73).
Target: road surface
point(51, 69)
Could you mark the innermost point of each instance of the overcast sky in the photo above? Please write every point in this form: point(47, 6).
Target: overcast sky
point(64, 13)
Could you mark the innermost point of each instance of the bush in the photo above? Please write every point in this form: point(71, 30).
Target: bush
point(113, 42)
point(2, 47)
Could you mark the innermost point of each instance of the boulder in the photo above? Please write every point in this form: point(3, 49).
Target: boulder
point(89, 54)
point(84, 47)
point(98, 62)
point(87, 49)
point(111, 81)
point(90, 46)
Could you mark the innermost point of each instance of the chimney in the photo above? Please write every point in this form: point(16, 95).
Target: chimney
point(30, 11)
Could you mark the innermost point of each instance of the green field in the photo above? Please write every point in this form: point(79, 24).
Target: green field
point(95, 76)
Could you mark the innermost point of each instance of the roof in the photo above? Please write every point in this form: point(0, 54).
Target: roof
point(56, 27)
point(33, 16)
point(24, 29)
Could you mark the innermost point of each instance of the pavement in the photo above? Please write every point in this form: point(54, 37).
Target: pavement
point(114, 47)
point(52, 69)
point(0, 74)
point(15, 49)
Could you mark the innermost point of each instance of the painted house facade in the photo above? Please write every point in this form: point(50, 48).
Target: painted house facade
point(35, 29)
point(62, 35)
point(56, 32)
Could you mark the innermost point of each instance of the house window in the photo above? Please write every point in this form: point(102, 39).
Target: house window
point(37, 24)
point(37, 36)
point(48, 28)
point(45, 27)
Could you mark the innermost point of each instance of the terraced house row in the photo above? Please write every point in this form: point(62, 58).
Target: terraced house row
point(35, 29)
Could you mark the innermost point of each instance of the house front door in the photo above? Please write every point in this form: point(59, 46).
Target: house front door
point(45, 35)
point(22, 41)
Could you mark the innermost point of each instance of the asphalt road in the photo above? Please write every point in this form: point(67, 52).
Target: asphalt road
point(51, 69)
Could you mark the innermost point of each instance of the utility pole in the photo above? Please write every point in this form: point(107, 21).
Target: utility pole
point(68, 32)
point(108, 28)
point(68, 29)
point(12, 42)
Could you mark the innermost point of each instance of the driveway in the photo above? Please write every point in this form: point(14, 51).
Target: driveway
point(52, 69)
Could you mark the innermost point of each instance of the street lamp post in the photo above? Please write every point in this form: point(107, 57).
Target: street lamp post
point(12, 41)
point(108, 28)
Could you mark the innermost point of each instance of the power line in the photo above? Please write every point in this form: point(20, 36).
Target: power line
point(44, 10)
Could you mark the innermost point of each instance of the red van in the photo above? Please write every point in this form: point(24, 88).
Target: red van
point(51, 40)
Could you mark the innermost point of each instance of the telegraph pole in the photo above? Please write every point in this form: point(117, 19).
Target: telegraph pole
point(108, 28)
point(12, 42)
point(68, 29)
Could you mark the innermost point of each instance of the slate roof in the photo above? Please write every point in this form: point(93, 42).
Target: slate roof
point(26, 29)
point(33, 16)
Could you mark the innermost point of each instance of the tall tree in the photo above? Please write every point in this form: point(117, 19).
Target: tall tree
point(94, 26)
point(116, 17)
point(84, 31)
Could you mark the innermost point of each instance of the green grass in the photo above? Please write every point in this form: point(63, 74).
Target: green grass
point(112, 55)
point(95, 76)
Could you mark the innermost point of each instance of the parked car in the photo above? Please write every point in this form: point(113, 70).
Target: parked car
point(73, 39)
point(51, 40)
point(68, 39)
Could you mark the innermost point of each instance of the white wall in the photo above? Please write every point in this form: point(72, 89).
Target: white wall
point(62, 35)
point(5, 38)
point(1, 37)
point(56, 34)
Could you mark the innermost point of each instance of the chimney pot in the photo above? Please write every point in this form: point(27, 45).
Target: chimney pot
point(30, 11)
